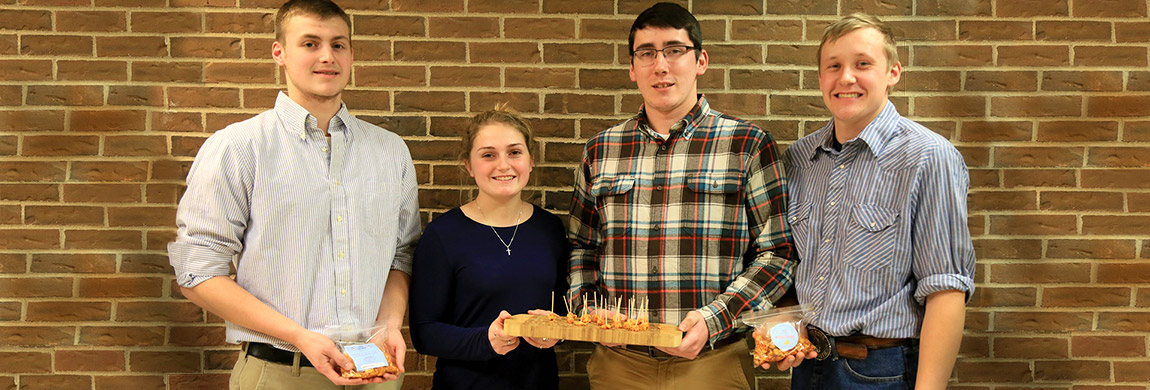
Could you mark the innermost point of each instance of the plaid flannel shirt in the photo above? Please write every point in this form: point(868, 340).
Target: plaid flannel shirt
point(693, 221)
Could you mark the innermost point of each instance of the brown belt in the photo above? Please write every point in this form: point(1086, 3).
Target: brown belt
point(856, 347)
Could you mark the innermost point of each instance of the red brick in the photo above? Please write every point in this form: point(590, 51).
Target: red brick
point(1033, 56)
point(133, 95)
point(950, 106)
point(69, 311)
point(997, 372)
point(1030, 8)
point(262, 98)
point(61, 145)
point(986, 131)
point(163, 193)
point(787, 7)
point(131, 46)
point(1038, 157)
point(29, 239)
point(13, 263)
point(1002, 200)
point(578, 104)
point(121, 120)
point(1108, 346)
point(198, 336)
point(109, 171)
point(148, 361)
point(1069, 201)
point(1031, 348)
point(504, 6)
point(65, 95)
point(795, 105)
point(1109, 8)
point(73, 263)
point(1040, 273)
point(26, 362)
point(1138, 371)
point(1131, 32)
point(994, 30)
point(88, 360)
point(1108, 178)
point(170, 170)
point(389, 26)
point(63, 215)
point(31, 120)
point(1077, 131)
point(1110, 56)
point(102, 193)
point(239, 23)
point(1121, 106)
point(766, 30)
point(1124, 321)
point(206, 47)
point(1131, 157)
point(166, 22)
point(429, 101)
point(1085, 296)
point(258, 48)
point(1078, 370)
point(504, 53)
point(25, 70)
point(11, 95)
point(953, 55)
point(102, 239)
point(1038, 178)
point(539, 28)
point(1101, 81)
point(135, 146)
point(226, 359)
point(177, 121)
point(521, 102)
point(17, 19)
point(579, 7)
point(189, 72)
point(1123, 273)
point(159, 311)
point(36, 336)
point(1072, 30)
point(430, 51)
point(201, 381)
point(611, 29)
point(578, 53)
point(427, 6)
point(120, 287)
point(464, 76)
point(138, 382)
point(1124, 224)
point(463, 27)
point(122, 335)
point(233, 72)
point(1042, 321)
point(67, 45)
point(215, 97)
point(30, 192)
point(1004, 297)
point(56, 381)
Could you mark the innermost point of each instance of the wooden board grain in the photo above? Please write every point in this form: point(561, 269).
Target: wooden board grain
point(658, 335)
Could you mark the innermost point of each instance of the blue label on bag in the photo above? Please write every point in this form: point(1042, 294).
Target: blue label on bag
point(366, 356)
point(785, 336)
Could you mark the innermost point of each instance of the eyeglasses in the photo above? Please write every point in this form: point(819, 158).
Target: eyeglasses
point(647, 56)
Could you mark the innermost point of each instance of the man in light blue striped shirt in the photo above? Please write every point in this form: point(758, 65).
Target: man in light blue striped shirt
point(319, 211)
point(878, 210)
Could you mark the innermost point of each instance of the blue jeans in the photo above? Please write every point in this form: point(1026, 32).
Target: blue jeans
point(891, 368)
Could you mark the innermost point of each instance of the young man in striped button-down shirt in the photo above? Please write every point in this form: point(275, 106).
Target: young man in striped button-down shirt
point(682, 207)
point(878, 207)
point(320, 208)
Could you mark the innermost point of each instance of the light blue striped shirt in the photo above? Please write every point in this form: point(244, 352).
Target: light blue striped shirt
point(879, 225)
point(316, 227)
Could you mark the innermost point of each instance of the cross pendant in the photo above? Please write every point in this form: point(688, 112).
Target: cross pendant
point(509, 251)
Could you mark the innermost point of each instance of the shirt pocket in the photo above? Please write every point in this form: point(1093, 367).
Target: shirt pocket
point(798, 217)
point(714, 200)
point(614, 194)
point(870, 237)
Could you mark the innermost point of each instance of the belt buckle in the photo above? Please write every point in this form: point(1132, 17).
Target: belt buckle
point(820, 341)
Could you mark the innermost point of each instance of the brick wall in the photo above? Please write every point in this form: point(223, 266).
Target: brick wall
point(103, 104)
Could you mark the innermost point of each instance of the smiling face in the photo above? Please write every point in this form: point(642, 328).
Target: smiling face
point(499, 161)
point(669, 88)
point(316, 56)
point(855, 76)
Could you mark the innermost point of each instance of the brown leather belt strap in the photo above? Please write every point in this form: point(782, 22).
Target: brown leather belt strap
point(856, 347)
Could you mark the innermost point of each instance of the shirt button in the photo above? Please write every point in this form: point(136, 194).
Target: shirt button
point(342, 255)
point(872, 224)
point(324, 149)
point(842, 166)
point(827, 240)
point(822, 277)
point(339, 218)
point(663, 147)
point(715, 184)
point(337, 182)
point(656, 227)
point(832, 203)
point(343, 292)
point(660, 188)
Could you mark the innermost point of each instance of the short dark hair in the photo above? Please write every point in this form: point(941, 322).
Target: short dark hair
point(668, 15)
point(322, 9)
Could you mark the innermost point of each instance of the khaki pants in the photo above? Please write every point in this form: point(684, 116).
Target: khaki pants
point(726, 367)
point(251, 373)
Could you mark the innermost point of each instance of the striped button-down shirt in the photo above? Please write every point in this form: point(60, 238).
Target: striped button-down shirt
point(316, 225)
point(879, 225)
point(690, 221)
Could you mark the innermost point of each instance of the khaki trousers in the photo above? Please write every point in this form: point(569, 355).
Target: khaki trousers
point(726, 367)
point(251, 373)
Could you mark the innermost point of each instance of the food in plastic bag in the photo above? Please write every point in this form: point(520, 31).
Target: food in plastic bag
point(779, 332)
point(355, 343)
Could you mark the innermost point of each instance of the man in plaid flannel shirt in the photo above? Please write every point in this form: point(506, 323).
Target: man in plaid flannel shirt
point(682, 207)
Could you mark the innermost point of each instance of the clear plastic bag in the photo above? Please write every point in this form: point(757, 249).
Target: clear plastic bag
point(356, 344)
point(779, 332)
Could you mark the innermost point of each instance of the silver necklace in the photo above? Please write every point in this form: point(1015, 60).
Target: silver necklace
point(506, 244)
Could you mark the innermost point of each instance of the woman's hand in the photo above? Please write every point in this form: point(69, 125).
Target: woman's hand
point(500, 341)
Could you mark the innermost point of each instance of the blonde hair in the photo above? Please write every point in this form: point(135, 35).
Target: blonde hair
point(500, 114)
point(856, 21)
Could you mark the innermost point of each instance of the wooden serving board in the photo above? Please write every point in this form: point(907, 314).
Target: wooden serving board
point(529, 325)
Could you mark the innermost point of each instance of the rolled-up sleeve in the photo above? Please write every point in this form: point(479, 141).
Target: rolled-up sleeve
point(409, 227)
point(943, 251)
point(213, 213)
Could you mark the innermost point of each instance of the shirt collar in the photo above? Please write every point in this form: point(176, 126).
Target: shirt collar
point(684, 128)
point(295, 117)
point(875, 136)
